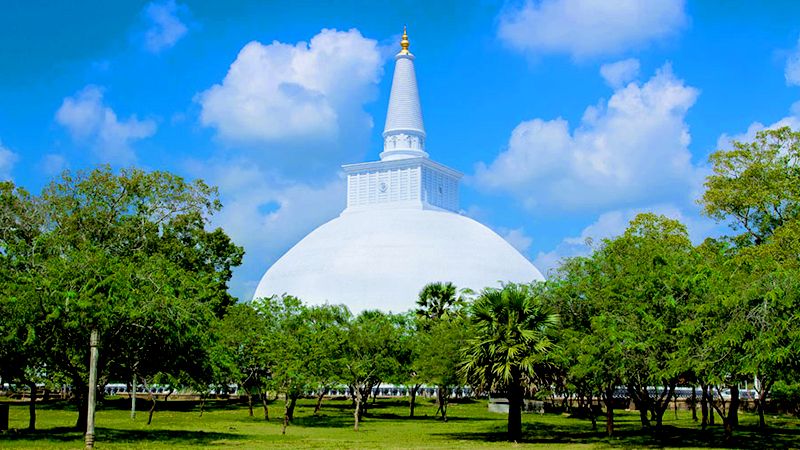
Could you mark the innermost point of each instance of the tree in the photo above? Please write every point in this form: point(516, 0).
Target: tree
point(441, 336)
point(438, 300)
point(242, 337)
point(326, 330)
point(648, 269)
point(622, 309)
point(22, 250)
point(756, 185)
point(771, 298)
point(287, 341)
point(591, 338)
point(439, 356)
point(410, 347)
point(370, 351)
point(127, 255)
point(511, 342)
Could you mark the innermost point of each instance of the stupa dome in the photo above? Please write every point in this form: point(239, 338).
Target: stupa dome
point(381, 259)
point(401, 229)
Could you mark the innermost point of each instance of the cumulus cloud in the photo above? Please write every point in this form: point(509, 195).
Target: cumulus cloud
point(288, 94)
point(613, 223)
point(266, 213)
point(89, 120)
point(586, 28)
point(164, 27)
point(621, 72)
point(7, 161)
point(630, 149)
point(792, 120)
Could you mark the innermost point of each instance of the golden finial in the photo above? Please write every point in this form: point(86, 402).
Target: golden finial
point(404, 42)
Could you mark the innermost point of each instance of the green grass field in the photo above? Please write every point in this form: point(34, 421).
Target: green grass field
point(178, 424)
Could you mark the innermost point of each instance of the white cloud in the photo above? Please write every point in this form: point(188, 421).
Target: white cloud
point(586, 28)
point(792, 71)
point(792, 121)
point(7, 161)
point(266, 214)
point(613, 223)
point(631, 149)
point(297, 94)
point(90, 121)
point(164, 27)
point(517, 238)
point(619, 73)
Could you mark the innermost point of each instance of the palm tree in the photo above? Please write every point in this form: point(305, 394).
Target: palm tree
point(510, 344)
point(437, 300)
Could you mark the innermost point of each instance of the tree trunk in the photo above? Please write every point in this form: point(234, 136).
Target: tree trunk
point(661, 404)
point(375, 392)
point(263, 396)
point(704, 405)
point(443, 395)
point(365, 393)
point(152, 408)
point(515, 407)
point(609, 399)
point(202, 404)
point(285, 414)
point(292, 404)
point(32, 407)
point(733, 413)
point(641, 398)
point(675, 406)
point(727, 411)
point(761, 404)
point(133, 398)
point(357, 411)
point(79, 396)
point(322, 393)
point(413, 399)
point(249, 401)
point(728, 430)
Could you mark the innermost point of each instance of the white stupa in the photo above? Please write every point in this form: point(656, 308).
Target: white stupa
point(401, 228)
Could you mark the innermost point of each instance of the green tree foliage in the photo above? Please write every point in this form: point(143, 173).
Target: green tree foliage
point(326, 330)
point(755, 187)
point(126, 254)
point(592, 336)
point(441, 334)
point(371, 346)
point(622, 310)
point(510, 343)
point(22, 348)
point(438, 300)
point(243, 352)
point(439, 358)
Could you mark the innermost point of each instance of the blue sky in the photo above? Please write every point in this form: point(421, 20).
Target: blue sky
point(566, 116)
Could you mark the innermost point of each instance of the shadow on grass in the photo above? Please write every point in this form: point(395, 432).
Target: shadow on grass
point(68, 434)
point(632, 436)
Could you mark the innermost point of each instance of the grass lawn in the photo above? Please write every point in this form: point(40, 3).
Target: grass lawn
point(178, 424)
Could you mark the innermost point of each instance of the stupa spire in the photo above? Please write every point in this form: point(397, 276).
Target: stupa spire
point(404, 133)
